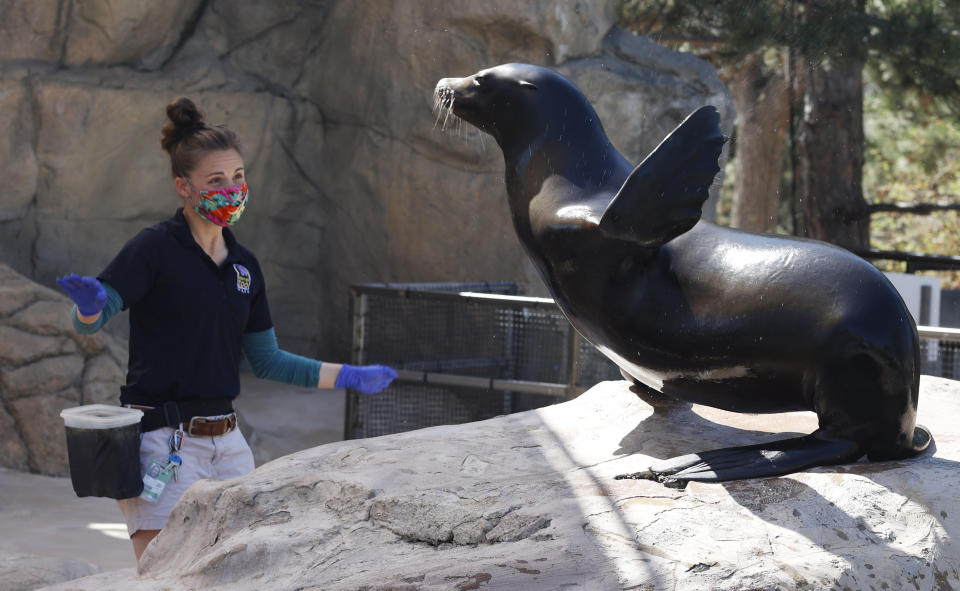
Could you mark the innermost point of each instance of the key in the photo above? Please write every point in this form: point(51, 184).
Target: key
point(175, 462)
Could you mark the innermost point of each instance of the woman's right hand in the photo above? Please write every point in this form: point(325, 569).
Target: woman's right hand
point(86, 292)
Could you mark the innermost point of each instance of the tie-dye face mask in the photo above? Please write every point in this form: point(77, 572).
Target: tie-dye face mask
point(222, 207)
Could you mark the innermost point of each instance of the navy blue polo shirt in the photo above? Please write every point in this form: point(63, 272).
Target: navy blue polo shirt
point(187, 314)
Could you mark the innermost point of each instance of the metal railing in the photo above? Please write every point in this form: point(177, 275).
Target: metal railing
point(464, 355)
point(913, 261)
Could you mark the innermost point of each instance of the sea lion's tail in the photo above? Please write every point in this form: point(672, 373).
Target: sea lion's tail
point(775, 458)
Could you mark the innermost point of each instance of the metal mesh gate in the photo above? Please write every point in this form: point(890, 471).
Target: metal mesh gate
point(472, 351)
point(940, 352)
point(475, 351)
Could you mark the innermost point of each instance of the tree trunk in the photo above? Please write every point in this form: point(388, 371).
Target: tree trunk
point(829, 155)
point(763, 109)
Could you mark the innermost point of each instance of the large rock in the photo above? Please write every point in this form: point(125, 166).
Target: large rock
point(350, 181)
point(23, 572)
point(45, 367)
point(31, 30)
point(528, 501)
point(13, 451)
point(18, 164)
point(41, 427)
point(139, 33)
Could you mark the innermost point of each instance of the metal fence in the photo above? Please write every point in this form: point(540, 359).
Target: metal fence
point(940, 351)
point(471, 351)
point(465, 352)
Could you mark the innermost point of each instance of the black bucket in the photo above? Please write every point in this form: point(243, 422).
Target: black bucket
point(103, 444)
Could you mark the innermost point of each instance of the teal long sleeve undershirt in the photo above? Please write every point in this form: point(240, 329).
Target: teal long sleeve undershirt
point(267, 359)
point(269, 362)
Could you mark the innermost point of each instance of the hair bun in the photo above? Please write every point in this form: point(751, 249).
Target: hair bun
point(187, 136)
point(185, 119)
point(184, 113)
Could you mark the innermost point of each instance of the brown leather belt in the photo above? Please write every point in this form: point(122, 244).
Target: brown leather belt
point(211, 426)
point(202, 426)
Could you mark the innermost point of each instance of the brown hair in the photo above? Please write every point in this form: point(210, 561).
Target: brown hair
point(187, 137)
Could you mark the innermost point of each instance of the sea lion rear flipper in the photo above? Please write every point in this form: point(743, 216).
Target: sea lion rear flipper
point(662, 197)
point(753, 461)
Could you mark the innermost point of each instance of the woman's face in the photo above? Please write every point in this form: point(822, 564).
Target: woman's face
point(215, 170)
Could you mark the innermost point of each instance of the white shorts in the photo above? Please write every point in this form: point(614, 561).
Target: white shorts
point(222, 457)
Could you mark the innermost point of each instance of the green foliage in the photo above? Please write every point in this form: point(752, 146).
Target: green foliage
point(913, 157)
point(912, 46)
point(732, 28)
point(915, 50)
point(909, 157)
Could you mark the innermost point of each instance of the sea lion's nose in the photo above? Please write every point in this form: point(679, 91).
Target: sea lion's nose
point(447, 83)
point(455, 84)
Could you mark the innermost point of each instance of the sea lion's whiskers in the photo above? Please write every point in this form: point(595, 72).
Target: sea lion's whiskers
point(447, 115)
point(443, 102)
point(439, 104)
point(443, 105)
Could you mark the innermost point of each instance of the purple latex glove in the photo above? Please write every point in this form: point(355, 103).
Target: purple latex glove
point(368, 379)
point(86, 292)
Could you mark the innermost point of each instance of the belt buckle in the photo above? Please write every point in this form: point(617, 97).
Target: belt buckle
point(191, 423)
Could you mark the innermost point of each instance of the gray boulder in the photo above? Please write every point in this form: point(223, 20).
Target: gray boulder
point(528, 501)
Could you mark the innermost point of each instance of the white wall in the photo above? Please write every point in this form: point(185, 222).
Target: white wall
point(909, 288)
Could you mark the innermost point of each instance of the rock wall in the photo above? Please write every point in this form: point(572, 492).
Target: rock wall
point(529, 501)
point(46, 367)
point(350, 181)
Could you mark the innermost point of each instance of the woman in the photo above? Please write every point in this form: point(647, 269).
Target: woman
point(196, 299)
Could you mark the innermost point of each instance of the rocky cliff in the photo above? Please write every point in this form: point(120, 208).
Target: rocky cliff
point(350, 181)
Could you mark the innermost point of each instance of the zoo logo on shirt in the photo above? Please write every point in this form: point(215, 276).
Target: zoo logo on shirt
point(243, 278)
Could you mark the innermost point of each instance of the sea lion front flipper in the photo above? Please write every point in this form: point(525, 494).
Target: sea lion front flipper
point(753, 461)
point(662, 197)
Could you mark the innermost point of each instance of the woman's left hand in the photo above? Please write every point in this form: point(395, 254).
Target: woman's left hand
point(368, 379)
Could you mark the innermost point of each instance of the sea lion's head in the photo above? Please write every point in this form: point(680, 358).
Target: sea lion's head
point(515, 103)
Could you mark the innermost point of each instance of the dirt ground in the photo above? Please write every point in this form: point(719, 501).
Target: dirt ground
point(42, 515)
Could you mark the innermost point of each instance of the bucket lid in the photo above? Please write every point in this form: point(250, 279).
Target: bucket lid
point(100, 416)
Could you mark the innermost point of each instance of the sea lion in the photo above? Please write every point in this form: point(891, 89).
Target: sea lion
point(736, 320)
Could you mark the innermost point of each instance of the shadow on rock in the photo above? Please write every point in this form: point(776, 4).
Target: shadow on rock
point(677, 428)
point(888, 524)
